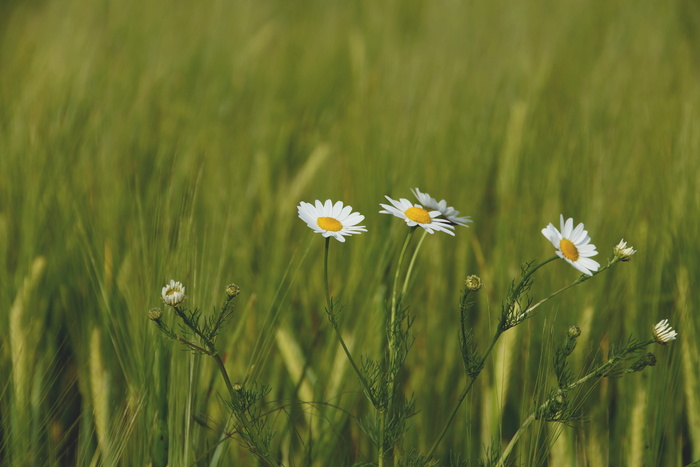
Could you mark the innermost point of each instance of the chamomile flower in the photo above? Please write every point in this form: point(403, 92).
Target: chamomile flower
point(663, 333)
point(415, 214)
point(331, 220)
point(573, 245)
point(623, 251)
point(448, 212)
point(173, 293)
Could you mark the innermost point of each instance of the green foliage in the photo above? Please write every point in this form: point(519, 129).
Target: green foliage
point(145, 141)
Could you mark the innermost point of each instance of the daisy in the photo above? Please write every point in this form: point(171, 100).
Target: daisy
point(173, 294)
point(573, 245)
point(331, 220)
point(415, 214)
point(663, 333)
point(623, 251)
point(448, 212)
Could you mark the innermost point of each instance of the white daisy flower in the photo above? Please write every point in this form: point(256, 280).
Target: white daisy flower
point(448, 212)
point(415, 214)
point(573, 245)
point(663, 333)
point(623, 252)
point(173, 294)
point(331, 220)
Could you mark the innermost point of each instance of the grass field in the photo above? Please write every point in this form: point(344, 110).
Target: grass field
point(147, 141)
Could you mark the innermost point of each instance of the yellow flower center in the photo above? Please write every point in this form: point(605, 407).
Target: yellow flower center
point(417, 214)
point(568, 249)
point(329, 224)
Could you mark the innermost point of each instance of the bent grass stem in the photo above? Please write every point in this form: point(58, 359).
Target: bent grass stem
point(601, 371)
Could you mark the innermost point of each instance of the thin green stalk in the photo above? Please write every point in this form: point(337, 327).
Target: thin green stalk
point(325, 275)
point(194, 328)
point(397, 273)
point(525, 314)
point(358, 372)
point(382, 427)
point(213, 352)
point(599, 372)
point(409, 272)
point(526, 277)
point(463, 395)
point(329, 304)
point(517, 435)
point(499, 330)
point(161, 439)
point(395, 300)
point(243, 414)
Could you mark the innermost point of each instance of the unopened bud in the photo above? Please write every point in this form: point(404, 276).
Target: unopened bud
point(232, 290)
point(647, 360)
point(155, 314)
point(473, 283)
point(574, 332)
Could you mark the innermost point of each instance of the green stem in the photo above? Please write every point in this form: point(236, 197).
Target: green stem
point(195, 329)
point(409, 272)
point(599, 372)
point(463, 395)
point(222, 314)
point(247, 422)
point(212, 351)
point(325, 275)
point(517, 289)
point(516, 438)
point(516, 293)
point(329, 304)
point(395, 303)
point(526, 314)
point(382, 427)
point(358, 372)
point(396, 275)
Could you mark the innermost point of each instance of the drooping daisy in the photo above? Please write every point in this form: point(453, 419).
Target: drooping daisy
point(173, 293)
point(415, 214)
point(663, 333)
point(573, 245)
point(448, 212)
point(331, 220)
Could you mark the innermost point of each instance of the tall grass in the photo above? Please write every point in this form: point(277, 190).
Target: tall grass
point(147, 141)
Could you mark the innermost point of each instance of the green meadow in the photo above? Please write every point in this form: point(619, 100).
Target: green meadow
point(144, 141)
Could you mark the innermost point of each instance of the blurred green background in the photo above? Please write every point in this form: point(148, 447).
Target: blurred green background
point(147, 141)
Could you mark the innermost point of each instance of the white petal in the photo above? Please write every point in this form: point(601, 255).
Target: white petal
point(567, 228)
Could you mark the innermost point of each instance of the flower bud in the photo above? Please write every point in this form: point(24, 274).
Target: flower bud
point(232, 290)
point(473, 283)
point(646, 360)
point(574, 332)
point(155, 314)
